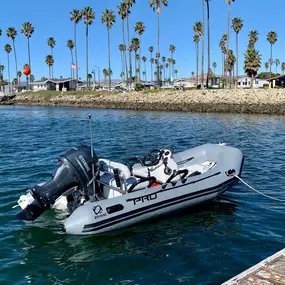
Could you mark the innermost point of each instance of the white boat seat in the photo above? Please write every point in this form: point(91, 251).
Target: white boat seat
point(109, 166)
point(108, 179)
point(201, 168)
point(157, 171)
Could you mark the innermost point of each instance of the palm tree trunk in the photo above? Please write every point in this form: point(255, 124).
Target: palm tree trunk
point(76, 59)
point(87, 55)
point(140, 53)
point(130, 55)
point(145, 71)
point(109, 59)
point(237, 60)
point(158, 43)
point(71, 64)
point(197, 64)
point(136, 66)
point(171, 67)
point(125, 53)
point(9, 79)
point(222, 64)
point(51, 51)
point(229, 20)
point(15, 54)
point(49, 71)
point(209, 51)
point(29, 55)
point(203, 43)
point(122, 63)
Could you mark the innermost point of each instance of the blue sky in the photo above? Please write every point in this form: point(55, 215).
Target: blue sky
point(51, 19)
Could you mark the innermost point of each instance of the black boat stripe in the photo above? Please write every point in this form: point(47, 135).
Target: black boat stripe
point(160, 205)
point(157, 204)
point(151, 210)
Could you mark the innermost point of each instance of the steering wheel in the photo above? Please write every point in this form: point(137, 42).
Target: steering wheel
point(152, 158)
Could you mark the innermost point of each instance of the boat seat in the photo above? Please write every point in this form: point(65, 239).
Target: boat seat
point(109, 166)
point(108, 179)
point(159, 171)
point(199, 168)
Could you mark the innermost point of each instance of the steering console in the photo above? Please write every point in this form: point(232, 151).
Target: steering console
point(152, 158)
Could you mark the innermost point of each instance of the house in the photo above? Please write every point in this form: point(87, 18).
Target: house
point(278, 81)
point(245, 82)
point(62, 84)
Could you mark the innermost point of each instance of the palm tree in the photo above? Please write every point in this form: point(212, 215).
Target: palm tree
point(89, 79)
point(169, 60)
point(19, 75)
point(135, 47)
point(156, 5)
point(32, 78)
point(203, 43)
point(198, 30)
point(252, 63)
point(166, 71)
point(51, 43)
point(8, 49)
point(122, 11)
point(88, 15)
point(105, 72)
point(229, 21)
point(28, 30)
point(266, 65)
point(277, 63)
point(12, 33)
point(122, 49)
point(140, 29)
point(214, 67)
point(163, 59)
point(2, 67)
point(272, 39)
point(122, 74)
point(70, 45)
point(230, 63)
point(176, 72)
point(109, 19)
point(193, 74)
point(144, 60)
point(152, 61)
point(209, 48)
point(222, 46)
point(49, 62)
point(283, 67)
point(76, 17)
point(237, 25)
point(172, 50)
point(253, 38)
point(128, 4)
point(196, 40)
point(150, 49)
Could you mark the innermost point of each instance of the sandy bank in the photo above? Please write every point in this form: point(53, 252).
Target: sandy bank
point(259, 101)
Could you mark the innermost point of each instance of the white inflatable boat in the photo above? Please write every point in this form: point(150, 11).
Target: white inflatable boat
point(101, 195)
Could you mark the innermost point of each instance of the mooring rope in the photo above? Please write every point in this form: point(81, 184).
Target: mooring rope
point(257, 191)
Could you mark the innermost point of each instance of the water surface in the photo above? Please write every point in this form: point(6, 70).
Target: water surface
point(204, 245)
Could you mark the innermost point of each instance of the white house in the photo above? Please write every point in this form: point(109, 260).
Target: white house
point(245, 82)
point(62, 84)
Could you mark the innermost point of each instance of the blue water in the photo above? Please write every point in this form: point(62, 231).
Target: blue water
point(204, 245)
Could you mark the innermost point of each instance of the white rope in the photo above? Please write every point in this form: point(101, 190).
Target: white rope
point(267, 196)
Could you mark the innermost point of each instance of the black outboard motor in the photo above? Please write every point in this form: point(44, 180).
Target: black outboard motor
point(74, 169)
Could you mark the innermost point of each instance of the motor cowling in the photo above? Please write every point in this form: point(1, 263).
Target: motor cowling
point(74, 169)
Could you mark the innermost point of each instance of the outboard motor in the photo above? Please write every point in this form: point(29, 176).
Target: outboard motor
point(74, 169)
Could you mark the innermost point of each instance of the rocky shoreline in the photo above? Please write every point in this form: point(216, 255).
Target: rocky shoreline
point(259, 101)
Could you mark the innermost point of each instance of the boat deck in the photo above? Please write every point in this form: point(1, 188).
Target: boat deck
point(270, 271)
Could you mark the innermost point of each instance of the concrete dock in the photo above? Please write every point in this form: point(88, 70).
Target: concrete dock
point(270, 271)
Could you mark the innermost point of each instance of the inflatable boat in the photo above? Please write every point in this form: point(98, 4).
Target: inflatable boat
point(100, 195)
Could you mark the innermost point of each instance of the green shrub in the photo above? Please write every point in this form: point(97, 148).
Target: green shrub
point(139, 87)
